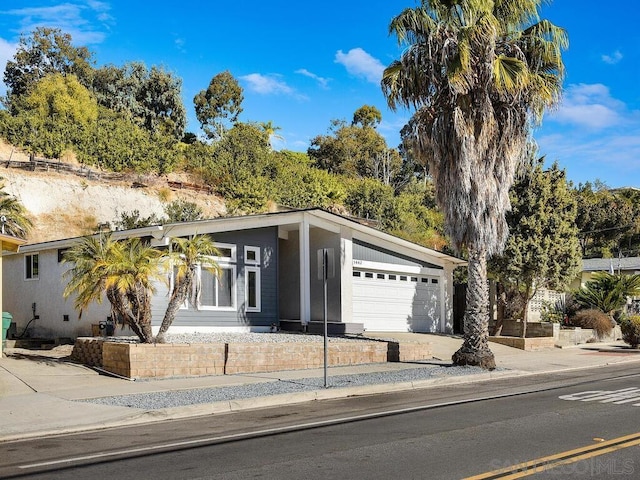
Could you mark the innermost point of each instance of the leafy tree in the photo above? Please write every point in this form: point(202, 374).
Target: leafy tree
point(348, 149)
point(367, 116)
point(270, 129)
point(53, 116)
point(605, 220)
point(182, 211)
point(124, 270)
point(149, 97)
point(13, 216)
point(46, 51)
point(219, 105)
point(542, 249)
point(480, 74)
point(370, 199)
point(187, 255)
point(131, 220)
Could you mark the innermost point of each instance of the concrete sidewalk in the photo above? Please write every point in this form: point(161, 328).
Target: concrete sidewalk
point(39, 393)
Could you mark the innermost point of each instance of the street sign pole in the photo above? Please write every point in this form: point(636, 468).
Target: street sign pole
point(326, 270)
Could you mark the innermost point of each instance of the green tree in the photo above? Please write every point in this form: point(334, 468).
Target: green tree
point(123, 270)
point(182, 211)
point(46, 51)
point(347, 149)
point(131, 220)
point(480, 74)
point(542, 250)
point(218, 107)
point(367, 116)
point(151, 98)
point(187, 255)
point(13, 216)
point(55, 115)
point(605, 220)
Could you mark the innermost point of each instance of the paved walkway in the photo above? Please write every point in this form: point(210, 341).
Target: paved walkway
point(39, 393)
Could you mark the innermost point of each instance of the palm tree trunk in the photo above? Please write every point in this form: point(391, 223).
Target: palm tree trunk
point(475, 348)
point(178, 297)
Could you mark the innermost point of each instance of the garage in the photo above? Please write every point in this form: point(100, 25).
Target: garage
point(391, 301)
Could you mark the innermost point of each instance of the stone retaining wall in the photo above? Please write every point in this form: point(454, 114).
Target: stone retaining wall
point(528, 344)
point(136, 360)
point(88, 351)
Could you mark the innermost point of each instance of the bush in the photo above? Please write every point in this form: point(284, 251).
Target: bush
point(630, 327)
point(600, 322)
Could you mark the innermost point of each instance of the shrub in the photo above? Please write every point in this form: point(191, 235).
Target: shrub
point(630, 327)
point(600, 322)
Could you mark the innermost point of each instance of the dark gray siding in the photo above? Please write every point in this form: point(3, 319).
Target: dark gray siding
point(370, 253)
point(267, 240)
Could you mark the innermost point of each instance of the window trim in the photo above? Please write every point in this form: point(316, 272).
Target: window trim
point(258, 306)
point(37, 275)
point(230, 246)
point(234, 291)
point(256, 250)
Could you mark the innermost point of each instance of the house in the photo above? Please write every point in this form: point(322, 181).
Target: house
point(8, 243)
point(269, 276)
point(622, 266)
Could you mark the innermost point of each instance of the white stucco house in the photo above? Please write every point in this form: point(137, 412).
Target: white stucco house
point(269, 277)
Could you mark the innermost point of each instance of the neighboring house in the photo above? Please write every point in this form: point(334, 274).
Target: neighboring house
point(8, 243)
point(269, 275)
point(623, 266)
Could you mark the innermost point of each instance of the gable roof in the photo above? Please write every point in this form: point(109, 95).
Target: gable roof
point(316, 216)
point(605, 264)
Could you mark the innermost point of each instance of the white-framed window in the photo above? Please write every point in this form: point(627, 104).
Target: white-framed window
point(31, 266)
point(218, 292)
point(252, 289)
point(251, 255)
point(227, 252)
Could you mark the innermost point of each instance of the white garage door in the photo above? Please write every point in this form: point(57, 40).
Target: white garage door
point(396, 302)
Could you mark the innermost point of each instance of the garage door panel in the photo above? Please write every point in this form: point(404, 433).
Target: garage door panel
point(393, 305)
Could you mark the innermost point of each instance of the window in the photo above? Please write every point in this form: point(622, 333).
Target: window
point(380, 276)
point(403, 278)
point(218, 291)
point(434, 280)
point(31, 267)
point(368, 275)
point(227, 252)
point(414, 279)
point(357, 274)
point(392, 277)
point(252, 289)
point(61, 252)
point(252, 255)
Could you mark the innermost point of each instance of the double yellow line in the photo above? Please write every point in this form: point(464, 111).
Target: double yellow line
point(565, 458)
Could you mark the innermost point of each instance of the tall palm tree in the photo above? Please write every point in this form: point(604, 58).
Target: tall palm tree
point(124, 270)
point(270, 129)
point(13, 216)
point(187, 254)
point(480, 74)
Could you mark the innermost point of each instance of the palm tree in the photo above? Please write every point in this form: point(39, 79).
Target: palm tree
point(270, 129)
point(480, 74)
point(186, 255)
point(124, 270)
point(13, 216)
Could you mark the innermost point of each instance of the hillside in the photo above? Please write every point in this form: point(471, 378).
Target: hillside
point(65, 205)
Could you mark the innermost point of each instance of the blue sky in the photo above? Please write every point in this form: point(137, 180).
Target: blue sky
point(302, 65)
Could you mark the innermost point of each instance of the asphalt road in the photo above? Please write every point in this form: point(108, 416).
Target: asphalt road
point(569, 425)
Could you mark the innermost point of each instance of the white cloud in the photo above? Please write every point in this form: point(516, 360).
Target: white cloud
point(323, 82)
point(590, 106)
point(84, 21)
point(361, 64)
point(612, 59)
point(269, 85)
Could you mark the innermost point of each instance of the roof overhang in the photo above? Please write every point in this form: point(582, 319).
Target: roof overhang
point(11, 243)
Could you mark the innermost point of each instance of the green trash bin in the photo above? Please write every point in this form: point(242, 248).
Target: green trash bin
point(6, 323)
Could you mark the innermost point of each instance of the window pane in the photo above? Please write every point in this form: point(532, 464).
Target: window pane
point(225, 298)
point(27, 266)
point(225, 252)
point(251, 255)
point(252, 289)
point(35, 266)
point(208, 293)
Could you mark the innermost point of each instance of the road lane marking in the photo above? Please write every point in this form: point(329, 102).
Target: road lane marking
point(617, 397)
point(541, 464)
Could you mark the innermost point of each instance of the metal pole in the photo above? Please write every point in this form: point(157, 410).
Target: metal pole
point(325, 261)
